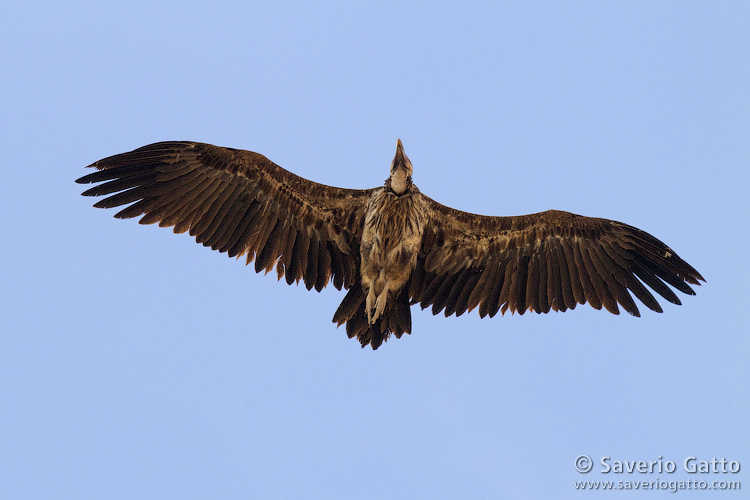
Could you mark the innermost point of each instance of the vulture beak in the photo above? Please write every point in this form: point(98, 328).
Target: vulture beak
point(400, 160)
point(401, 170)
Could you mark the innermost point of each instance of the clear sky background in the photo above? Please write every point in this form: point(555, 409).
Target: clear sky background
point(135, 364)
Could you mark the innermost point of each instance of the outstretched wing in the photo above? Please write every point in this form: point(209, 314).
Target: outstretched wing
point(540, 262)
point(239, 202)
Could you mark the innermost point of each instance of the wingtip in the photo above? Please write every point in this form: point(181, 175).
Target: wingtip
point(86, 179)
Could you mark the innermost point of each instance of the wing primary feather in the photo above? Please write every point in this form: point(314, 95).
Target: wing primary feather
point(665, 275)
point(655, 250)
point(576, 281)
point(179, 211)
point(655, 283)
point(134, 210)
point(125, 197)
point(641, 292)
point(162, 205)
point(615, 279)
point(123, 171)
point(588, 289)
point(145, 191)
point(204, 213)
point(120, 183)
point(173, 205)
point(196, 208)
point(605, 295)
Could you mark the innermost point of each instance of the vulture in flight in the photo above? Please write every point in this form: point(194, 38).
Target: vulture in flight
point(389, 246)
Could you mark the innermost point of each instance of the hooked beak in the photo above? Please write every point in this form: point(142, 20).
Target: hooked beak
point(399, 161)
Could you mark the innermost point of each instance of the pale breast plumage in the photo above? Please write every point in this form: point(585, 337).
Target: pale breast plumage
point(391, 238)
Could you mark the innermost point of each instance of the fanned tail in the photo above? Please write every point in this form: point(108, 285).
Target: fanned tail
point(396, 319)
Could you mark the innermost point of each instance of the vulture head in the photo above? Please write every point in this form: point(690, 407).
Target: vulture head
point(401, 170)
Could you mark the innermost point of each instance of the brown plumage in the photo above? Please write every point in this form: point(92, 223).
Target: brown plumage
point(390, 246)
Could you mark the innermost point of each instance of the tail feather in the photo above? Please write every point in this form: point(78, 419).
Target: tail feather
point(396, 319)
point(403, 313)
point(348, 307)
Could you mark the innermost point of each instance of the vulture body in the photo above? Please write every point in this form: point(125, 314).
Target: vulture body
point(389, 246)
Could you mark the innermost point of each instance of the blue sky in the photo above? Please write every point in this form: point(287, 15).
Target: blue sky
point(137, 364)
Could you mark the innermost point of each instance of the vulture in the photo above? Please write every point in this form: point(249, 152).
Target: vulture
point(390, 246)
